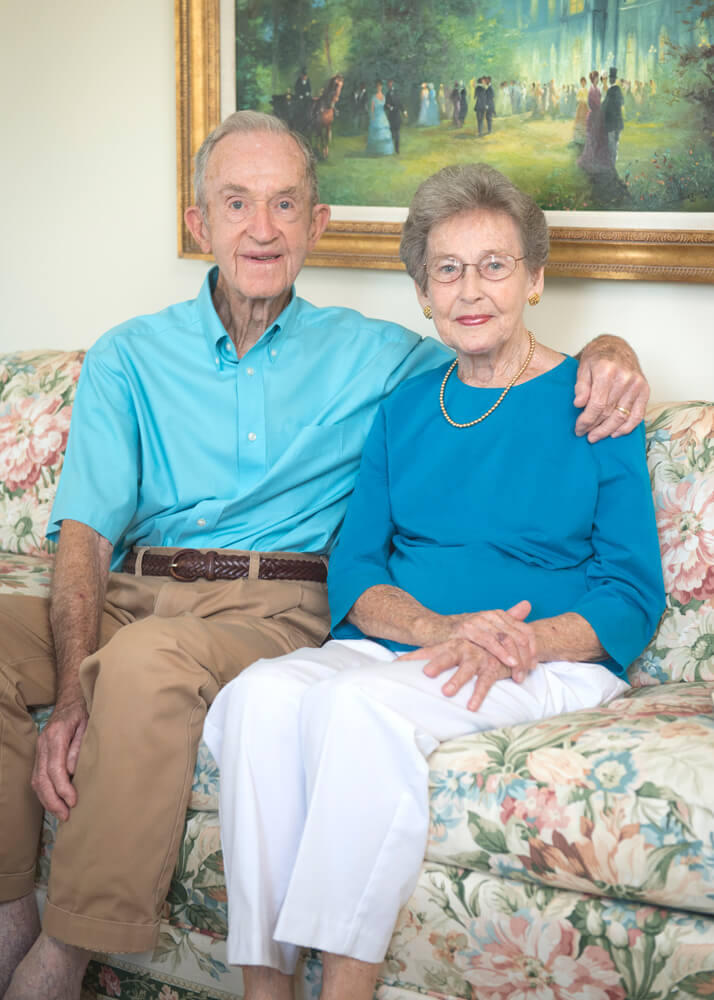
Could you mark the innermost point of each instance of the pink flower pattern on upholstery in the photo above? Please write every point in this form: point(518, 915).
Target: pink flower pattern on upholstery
point(519, 959)
point(33, 435)
point(36, 394)
point(685, 520)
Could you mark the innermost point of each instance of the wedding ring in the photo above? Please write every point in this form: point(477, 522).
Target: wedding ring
point(623, 410)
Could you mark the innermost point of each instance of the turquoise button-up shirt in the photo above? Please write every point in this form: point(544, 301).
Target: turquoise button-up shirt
point(176, 442)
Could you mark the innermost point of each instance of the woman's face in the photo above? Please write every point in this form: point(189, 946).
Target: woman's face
point(475, 315)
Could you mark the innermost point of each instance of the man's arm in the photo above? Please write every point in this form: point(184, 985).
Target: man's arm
point(76, 602)
point(611, 388)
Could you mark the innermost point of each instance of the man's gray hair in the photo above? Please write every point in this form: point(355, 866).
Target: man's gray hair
point(473, 186)
point(242, 123)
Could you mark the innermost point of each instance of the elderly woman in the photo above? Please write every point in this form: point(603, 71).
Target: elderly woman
point(493, 568)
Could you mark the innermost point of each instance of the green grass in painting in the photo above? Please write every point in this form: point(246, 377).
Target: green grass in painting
point(537, 155)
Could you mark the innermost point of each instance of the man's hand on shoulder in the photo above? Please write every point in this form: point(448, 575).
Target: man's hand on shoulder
point(56, 757)
point(611, 388)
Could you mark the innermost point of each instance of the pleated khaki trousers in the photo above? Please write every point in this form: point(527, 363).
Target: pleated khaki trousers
point(166, 650)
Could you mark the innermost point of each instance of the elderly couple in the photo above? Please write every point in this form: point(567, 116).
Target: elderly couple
point(498, 562)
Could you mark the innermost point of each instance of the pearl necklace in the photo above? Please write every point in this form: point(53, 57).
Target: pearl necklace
point(500, 399)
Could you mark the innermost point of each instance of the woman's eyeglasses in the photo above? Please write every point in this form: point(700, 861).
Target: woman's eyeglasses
point(492, 266)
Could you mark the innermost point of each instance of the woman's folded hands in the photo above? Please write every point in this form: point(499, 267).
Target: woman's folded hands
point(487, 645)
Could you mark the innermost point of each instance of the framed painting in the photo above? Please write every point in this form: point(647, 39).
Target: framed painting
point(636, 205)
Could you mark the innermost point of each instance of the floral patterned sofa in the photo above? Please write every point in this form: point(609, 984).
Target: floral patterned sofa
point(571, 859)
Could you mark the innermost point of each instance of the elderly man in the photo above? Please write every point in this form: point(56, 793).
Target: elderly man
point(212, 451)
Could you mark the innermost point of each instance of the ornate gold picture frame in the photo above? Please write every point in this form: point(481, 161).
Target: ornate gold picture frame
point(641, 254)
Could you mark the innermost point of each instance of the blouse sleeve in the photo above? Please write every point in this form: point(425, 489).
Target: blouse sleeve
point(625, 596)
point(360, 558)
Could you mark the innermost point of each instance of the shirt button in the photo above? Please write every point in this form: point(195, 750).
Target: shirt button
point(250, 371)
point(273, 353)
point(252, 436)
point(201, 522)
point(218, 360)
point(229, 346)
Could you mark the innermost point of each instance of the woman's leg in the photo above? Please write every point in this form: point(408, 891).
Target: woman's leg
point(347, 979)
point(324, 800)
point(262, 983)
point(253, 730)
point(365, 735)
point(366, 818)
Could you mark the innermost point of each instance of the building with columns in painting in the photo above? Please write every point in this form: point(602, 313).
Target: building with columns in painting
point(568, 38)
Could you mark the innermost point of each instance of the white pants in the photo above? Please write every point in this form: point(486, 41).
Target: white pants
point(324, 787)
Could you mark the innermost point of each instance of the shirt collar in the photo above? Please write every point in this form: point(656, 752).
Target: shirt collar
point(215, 332)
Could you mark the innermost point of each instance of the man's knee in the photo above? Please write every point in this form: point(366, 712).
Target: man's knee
point(140, 659)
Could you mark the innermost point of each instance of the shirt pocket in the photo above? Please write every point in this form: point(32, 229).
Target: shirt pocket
point(312, 450)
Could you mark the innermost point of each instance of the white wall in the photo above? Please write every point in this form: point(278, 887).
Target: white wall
point(87, 175)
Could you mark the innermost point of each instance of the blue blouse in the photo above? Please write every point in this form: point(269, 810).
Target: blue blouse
point(516, 507)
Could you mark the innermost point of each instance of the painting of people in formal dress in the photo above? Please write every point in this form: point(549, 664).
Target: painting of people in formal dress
point(586, 104)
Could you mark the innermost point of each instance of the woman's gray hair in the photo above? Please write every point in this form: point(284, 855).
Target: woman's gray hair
point(467, 188)
point(241, 123)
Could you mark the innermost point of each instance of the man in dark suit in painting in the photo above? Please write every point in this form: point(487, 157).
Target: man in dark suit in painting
point(394, 110)
point(480, 103)
point(490, 102)
point(302, 100)
point(612, 112)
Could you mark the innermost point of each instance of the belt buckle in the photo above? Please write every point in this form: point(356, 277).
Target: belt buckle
point(174, 568)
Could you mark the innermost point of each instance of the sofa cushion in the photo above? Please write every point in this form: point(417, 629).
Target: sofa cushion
point(29, 575)
point(36, 393)
point(680, 454)
point(614, 801)
point(470, 935)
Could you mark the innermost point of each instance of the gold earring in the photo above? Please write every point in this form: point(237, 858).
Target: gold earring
point(534, 299)
point(427, 312)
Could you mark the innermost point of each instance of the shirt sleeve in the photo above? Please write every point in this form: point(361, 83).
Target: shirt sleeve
point(360, 558)
point(426, 354)
point(625, 596)
point(100, 476)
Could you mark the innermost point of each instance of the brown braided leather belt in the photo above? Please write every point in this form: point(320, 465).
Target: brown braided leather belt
point(187, 565)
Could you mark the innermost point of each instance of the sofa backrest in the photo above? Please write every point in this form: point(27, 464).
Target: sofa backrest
point(680, 455)
point(36, 394)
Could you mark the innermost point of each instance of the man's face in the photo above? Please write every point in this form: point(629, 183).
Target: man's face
point(258, 222)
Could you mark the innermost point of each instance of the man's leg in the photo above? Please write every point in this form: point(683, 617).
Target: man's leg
point(147, 692)
point(51, 970)
point(27, 680)
point(19, 927)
